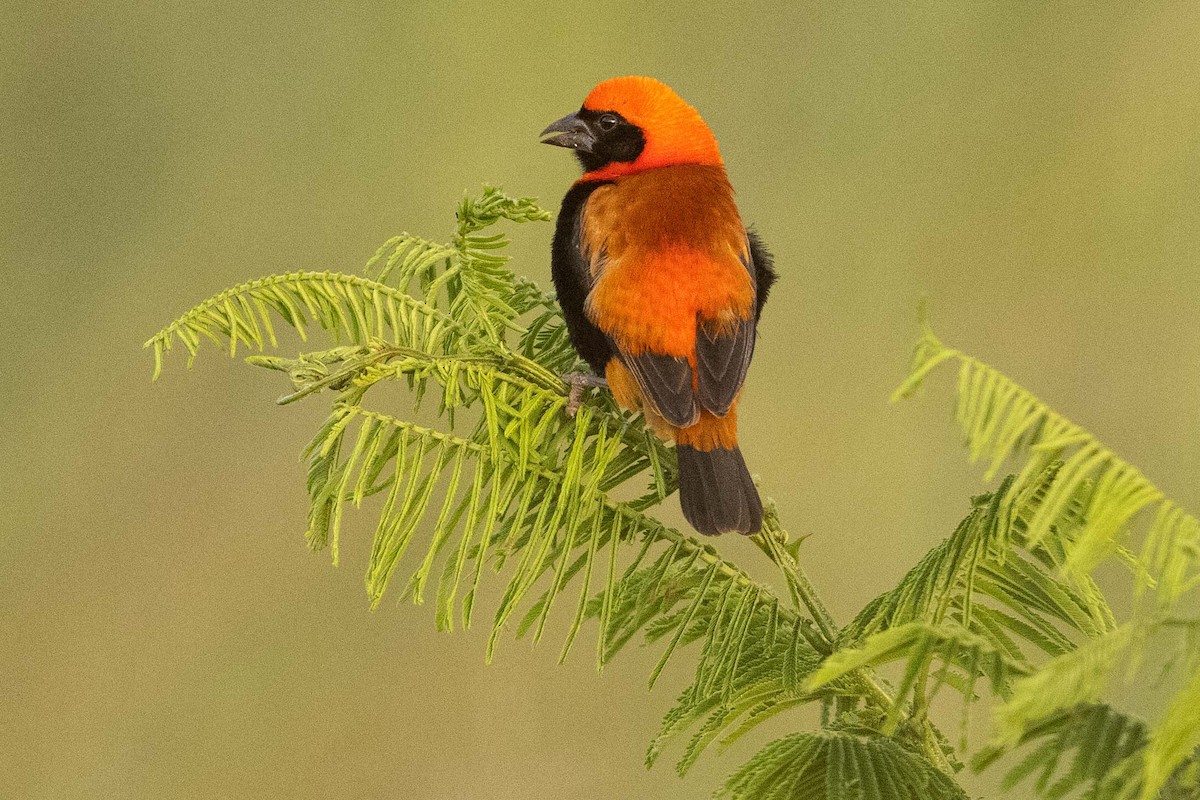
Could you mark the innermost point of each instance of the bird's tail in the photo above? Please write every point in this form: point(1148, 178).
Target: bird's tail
point(716, 491)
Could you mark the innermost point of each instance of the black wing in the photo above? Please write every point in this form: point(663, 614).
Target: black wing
point(572, 279)
point(723, 353)
point(667, 382)
point(722, 360)
point(724, 349)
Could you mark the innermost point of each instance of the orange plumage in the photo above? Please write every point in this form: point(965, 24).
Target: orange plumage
point(661, 284)
point(657, 264)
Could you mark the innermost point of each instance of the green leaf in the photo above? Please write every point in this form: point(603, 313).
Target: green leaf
point(1073, 678)
point(1174, 739)
point(837, 765)
point(345, 306)
point(1088, 746)
point(988, 580)
point(1095, 494)
point(918, 643)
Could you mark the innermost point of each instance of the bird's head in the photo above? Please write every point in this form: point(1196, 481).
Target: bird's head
point(632, 124)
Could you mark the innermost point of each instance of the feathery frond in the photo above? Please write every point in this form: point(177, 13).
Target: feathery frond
point(1088, 746)
point(752, 659)
point(919, 643)
point(1098, 749)
point(473, 286)
point(1079, 676)
point(1086, 511)
point(1174, 742)
point(838, 765)
point(1001, 420)
point(343, 305)
point(1005, 595)
point(978, 611)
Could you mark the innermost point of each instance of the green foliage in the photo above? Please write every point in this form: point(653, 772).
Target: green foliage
point(510, 482)
point(992, 579)
point(1074, 678)
point(1089, 505)
point(918, 644)
point(498, 482)
point(1001, 420)
point(1098, 749)
point(838, 765)
point(343, 305)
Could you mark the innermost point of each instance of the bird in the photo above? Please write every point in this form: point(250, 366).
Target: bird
point(662, 285)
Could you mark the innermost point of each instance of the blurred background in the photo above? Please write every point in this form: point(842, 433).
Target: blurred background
point(1033, 168)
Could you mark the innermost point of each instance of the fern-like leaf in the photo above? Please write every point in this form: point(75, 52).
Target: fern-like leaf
point(978, 610)
point(1174, 741)
point(838, 765)
point(918, 644)
point(343, 305)
point(472, 286)
point(1089, 746)
point(1097, 749)
point(1001, 420)
point(1087, 512)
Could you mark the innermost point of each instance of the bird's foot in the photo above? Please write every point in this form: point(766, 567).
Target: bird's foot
point(578, 381)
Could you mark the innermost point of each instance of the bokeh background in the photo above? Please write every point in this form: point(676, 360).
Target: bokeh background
point(1033, 168)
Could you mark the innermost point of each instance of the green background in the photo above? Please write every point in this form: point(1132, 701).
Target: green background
point(1032, 168)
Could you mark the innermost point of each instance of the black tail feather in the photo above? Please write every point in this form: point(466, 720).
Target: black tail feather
point(716, 492)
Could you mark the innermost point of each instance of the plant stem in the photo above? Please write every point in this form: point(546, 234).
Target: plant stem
point(770, 541)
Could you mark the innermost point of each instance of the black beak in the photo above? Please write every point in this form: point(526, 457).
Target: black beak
point(572, 132)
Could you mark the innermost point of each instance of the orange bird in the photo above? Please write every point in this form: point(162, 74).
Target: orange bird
point(661, 285)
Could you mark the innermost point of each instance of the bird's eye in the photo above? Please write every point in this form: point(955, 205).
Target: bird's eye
point(608, 122)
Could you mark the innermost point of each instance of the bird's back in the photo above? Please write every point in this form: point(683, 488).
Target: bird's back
point(664, 249)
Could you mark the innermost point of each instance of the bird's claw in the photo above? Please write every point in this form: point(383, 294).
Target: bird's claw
point(578, 381)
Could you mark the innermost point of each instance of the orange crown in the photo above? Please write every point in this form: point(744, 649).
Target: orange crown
point(674, 131)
